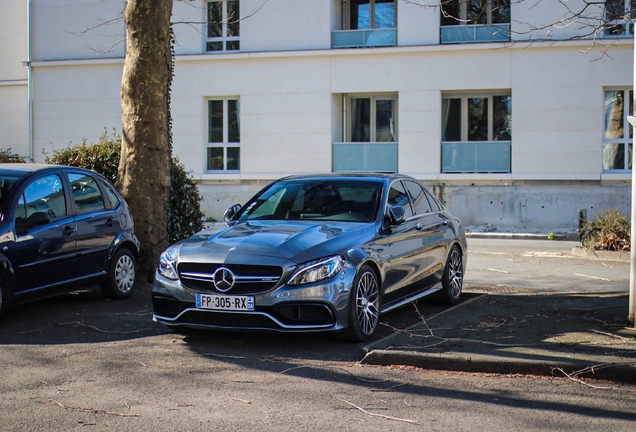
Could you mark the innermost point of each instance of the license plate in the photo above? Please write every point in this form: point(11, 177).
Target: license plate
point(223, 302)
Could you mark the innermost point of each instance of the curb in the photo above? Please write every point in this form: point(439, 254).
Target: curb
point(521, 236)
point(579, 252)
point(483, 363)
point(490, 364)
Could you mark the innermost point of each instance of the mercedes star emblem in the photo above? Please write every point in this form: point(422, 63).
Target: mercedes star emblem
point(223, 279)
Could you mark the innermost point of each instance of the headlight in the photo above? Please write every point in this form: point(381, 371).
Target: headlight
point(167, 263)
point(318, 270)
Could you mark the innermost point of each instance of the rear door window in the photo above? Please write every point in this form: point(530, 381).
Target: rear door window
point(86, 193)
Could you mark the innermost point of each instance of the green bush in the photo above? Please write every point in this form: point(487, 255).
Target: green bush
point(610, 230)
point(184, 204)
point(7, 157)
point(101, 157)
point(184, 201)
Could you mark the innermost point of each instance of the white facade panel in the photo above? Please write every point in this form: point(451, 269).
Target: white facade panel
point(14, 126)
point(72, 103)
point(13, 34)
point(77, 29)
point(417, 23)
point(286, 25)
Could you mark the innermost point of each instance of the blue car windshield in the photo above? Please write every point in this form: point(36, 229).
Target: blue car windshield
point(348, 200)
point(6, 183)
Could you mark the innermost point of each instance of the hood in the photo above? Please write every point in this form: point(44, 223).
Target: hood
point(297, 241)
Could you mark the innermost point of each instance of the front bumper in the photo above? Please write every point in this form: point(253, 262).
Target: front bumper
point(320, 306)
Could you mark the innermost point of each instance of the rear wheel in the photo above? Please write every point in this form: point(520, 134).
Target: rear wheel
point(122, 275)
point(364, 306)
point(453, 278)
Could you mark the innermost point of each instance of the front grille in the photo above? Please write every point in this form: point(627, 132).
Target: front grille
point(249, 279)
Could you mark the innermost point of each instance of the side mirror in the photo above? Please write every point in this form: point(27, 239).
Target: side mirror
point(229, 213)
point(36, 219)
point(397, 215)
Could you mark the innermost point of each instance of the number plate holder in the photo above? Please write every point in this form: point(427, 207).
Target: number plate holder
point(225, 302)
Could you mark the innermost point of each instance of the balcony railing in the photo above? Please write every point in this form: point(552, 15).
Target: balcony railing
point(364, 38)
point(365, 157)
point(476, 157)
point(475, 33)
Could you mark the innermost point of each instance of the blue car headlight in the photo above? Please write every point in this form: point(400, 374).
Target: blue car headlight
point(167, 263)
point(314, 271)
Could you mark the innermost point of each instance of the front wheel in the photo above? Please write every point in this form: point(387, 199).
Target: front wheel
point(364, 306)
point(122, 275)
point(453, 278)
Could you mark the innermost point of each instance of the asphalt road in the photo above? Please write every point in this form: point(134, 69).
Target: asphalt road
point(540, 265)
point(79, 361)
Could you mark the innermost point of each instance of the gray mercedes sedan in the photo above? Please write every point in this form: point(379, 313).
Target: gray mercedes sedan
point(315, 253)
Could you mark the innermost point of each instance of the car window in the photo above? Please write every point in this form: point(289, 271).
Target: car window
point(86, 194)
point(398, 196)
point(111, 196)
point(420, 201)
point(341, 200)
point(434, 202)
point(6, 183)
point(46, 195)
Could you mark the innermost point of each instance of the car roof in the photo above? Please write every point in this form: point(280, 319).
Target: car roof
point(346, 175)
point(21, 169)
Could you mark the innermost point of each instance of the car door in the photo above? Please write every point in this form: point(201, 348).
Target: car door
point(433, 227)
point(45, 252)
point(97, 223)
point(402, 249)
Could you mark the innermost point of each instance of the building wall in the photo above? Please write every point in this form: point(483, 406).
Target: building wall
point(13, 78)
point(291, 86)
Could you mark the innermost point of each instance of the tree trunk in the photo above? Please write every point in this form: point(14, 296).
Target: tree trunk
point(144, 168)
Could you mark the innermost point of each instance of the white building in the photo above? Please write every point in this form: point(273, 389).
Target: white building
point(509, 124)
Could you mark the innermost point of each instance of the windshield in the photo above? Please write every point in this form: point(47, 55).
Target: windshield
point(338, 200)
point(6, 183)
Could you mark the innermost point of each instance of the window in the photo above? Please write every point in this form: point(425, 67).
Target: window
point(398, 196)
point(418, 197)
point(476, 133)
point(223, 151)
point(86, 194)
point(366, 23)
point(618, 17)
point(371, 135)
point(618, 133)
point(371, 14)
point(475, 20)
point(223, 25)
point(43, 195)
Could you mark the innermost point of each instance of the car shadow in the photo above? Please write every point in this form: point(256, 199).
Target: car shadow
point(83, 316)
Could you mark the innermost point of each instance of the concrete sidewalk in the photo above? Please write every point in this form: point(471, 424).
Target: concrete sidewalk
point(581, 335)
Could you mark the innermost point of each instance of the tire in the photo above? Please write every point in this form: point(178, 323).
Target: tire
point(364, 306)
point(122, 275)
point(453, 278)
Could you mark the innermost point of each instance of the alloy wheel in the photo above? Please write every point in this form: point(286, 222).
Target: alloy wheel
point(367, 300)
point(455, 274)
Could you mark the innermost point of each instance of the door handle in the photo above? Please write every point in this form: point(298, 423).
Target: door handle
point(68, 231)
point(418, 226)
point(444, 222)
point(110, 222)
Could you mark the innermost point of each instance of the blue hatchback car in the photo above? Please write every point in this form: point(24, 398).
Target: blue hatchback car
point(62, 228)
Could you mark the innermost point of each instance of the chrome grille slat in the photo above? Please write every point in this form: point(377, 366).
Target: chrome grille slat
point(249, 279)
